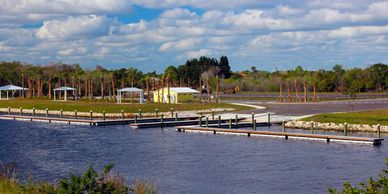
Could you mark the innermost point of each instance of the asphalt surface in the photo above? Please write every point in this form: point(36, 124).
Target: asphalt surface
point(299, 109)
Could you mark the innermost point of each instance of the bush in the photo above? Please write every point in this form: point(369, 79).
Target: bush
point(379, 186)
point(89, 182)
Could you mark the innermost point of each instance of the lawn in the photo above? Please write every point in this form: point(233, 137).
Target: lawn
point(364, 117)
point(111, 107)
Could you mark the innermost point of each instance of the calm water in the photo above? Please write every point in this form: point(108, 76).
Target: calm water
point(189, 162)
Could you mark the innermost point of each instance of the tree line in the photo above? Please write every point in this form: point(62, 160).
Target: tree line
point(204, 72)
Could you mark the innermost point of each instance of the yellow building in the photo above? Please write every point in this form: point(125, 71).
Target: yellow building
point(177, 95)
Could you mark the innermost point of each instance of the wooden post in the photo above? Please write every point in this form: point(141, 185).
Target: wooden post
point(269, 118)
point(176, 116)
point(157, 113)
point(345, 129)
point(219, 120)
point(312, 127)
point(230, 123)
point(103, 115)
point(91, 115)
point(61, 113)
point(33, 111)
point(236, 121)
point(21, 111)
point(140, 113)
point(207, 122)
point(283, 126)
point(135, 118)
point(200, 121)
point(76, 114)
point(378, 131)
point(253, 117)
point(47, 112)
point(161, 120)
point(9, 110)
point(122, 114)
point(172, 112)
point(254, 124)
point(213, 112)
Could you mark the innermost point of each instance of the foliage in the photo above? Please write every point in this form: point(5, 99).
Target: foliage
point(373, 186)
point(89, 182)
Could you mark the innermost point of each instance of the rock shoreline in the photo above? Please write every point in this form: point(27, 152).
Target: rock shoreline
point(336, 126)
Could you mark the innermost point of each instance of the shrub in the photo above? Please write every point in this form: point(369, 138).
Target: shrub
point(379, 186)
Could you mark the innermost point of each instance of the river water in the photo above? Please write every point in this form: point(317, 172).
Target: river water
point(189, 162)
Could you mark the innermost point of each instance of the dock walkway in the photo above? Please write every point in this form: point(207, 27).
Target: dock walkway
point(285, 135)
point(84, 121)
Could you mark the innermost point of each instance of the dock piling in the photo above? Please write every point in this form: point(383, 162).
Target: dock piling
point(230, 123)
point(9, 110)
point(176, 116)
point(269, 118)
point(200, 121)
point(139, 113)
point(122, 114)
point(135, 118)
point(254, 124)
point(236, 121)
point(253, 117)
point(161, 121)
point(207, 122)
point(61, 113)
point(33, 111)
point(76, 114)
point(103, 115)
point(378, 131)
point(345, 129)
point(172, 112)
point(312, 127)
point(213, 112)
point(91, 115)
point(47, 112)
point(219, 120)
point(283, 126)
point(21, 111)
point(157, 113)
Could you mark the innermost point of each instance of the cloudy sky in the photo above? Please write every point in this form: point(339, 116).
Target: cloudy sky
point(152, 34)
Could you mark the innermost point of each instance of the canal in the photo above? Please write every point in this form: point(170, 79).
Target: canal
point(189, 162)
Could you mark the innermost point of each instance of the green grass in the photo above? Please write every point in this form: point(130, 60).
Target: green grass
point(111, 107)
point(364, 117)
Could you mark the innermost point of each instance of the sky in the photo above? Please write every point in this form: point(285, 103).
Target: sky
point(153, 34)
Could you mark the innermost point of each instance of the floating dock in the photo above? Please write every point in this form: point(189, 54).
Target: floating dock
point(83, 121)
point(285, 135)
point(187, 122)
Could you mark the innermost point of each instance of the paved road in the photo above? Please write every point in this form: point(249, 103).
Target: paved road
point(321, 107)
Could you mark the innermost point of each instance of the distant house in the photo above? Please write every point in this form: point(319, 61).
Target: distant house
point(177, 95)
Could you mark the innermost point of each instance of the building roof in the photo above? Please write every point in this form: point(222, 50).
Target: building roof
point(12, 87)
point(64, 89)
point(130, 90)
point(183, 90)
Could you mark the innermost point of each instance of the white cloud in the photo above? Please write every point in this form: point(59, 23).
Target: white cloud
point(249, 31)
point(74, 27)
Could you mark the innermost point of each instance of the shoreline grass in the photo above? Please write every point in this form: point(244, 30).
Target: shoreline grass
point(363, 117)
point(112, 107)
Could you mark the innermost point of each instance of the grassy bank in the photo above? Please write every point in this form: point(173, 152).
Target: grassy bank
point(111, 107)
point(364, 117)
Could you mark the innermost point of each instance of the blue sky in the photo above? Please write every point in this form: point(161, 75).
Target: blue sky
point(153, 34)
